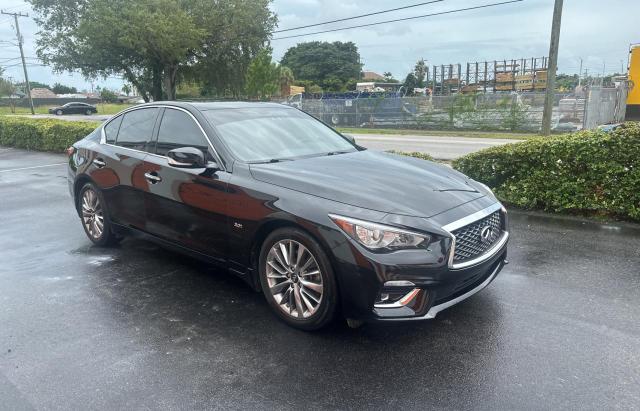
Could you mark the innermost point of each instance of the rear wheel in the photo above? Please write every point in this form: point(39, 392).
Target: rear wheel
point(88, 112)
point(297, 279)
point(95, 219)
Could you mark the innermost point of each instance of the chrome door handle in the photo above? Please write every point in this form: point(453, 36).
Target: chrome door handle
point(152, 178)
point(98, 162)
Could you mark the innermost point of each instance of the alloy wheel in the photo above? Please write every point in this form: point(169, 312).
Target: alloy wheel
point(294, 278)
point(92, 215)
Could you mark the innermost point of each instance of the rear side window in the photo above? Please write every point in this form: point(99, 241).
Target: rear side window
point(136, 128)
point(111, 130)
point(178, 129)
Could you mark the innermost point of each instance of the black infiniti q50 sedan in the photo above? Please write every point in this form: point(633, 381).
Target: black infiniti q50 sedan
point(320, 225)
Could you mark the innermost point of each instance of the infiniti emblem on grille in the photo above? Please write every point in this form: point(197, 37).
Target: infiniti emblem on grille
point(486, 234)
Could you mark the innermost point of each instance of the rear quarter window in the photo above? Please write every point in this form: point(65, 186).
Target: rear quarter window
point(111, 130)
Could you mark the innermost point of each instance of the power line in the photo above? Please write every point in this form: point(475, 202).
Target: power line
point(357, 17)
point(402, 19)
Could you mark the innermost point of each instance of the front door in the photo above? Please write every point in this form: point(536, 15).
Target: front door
point(185, 206)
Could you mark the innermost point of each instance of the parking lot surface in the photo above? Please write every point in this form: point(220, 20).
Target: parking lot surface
point(139, 327)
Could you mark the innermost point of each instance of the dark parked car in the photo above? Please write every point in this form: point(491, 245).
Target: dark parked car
point(74, 108)
point(297, 210)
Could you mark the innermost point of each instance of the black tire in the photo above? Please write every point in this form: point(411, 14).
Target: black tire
point(106, 236)
point(88, 112)
point(59, 112)
point(328, 305)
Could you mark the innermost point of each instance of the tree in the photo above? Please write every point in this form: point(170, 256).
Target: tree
point(330, 65)
point(262, 75)
point(285, 79)
point(154, 44)
point(108, 96)
point(388, 77)
point(126, 89)
point(34, 84)
point(411, 82)
point(420, 72)
point(7, 89)
point(62, 89)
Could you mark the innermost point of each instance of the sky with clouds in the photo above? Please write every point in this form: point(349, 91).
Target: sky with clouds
point(597, 31)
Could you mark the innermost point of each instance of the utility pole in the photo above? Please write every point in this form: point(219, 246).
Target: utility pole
point(553, 66)
point(24, 65)
point(580, 73)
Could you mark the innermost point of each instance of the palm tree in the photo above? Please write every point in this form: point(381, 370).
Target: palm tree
point(285, 79)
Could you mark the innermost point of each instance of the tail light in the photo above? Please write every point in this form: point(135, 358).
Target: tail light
point(70, 151)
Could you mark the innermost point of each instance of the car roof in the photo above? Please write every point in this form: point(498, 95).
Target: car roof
point(218, 105)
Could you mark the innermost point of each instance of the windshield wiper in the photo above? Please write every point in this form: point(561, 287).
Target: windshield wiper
point(333, 153)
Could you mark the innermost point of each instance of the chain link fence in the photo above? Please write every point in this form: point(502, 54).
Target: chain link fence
point(499, 111)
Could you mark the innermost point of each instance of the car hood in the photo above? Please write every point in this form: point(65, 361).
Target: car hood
point(378, 181)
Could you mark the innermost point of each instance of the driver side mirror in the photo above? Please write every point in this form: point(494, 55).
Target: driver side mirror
point(186, 157)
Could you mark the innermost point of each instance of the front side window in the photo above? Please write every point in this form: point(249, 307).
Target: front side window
point(267, 133)
point(178, 129)
point(111, 130)
point(136, 128)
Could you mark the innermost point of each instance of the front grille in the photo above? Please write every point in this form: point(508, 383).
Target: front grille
point(470, 242)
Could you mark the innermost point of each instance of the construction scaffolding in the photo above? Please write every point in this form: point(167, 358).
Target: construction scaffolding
point(528, 74)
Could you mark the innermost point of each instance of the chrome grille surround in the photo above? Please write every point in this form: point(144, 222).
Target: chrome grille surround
point(464, 227)
point(470, 242)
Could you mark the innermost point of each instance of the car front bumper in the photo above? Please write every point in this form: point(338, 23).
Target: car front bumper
point(412, 285)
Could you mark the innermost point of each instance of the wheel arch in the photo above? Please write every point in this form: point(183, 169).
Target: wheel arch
point(272, 225)
point(79, 182)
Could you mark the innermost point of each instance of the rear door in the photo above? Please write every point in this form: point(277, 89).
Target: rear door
point(119, 168)
point(186, 206)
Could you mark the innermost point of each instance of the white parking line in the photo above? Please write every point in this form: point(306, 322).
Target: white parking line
point(29, 168)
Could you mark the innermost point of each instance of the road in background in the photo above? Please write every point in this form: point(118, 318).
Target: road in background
point(139, 327)
point(440, 147)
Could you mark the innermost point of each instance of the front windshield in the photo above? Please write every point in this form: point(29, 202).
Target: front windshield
point(259, 134)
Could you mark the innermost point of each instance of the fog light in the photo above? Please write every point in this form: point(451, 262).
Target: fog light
point(396, 294)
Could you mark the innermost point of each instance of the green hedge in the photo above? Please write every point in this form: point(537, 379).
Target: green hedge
point(588, 172)
point(42, 134)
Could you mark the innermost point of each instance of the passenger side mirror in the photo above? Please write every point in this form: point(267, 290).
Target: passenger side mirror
point(186, 157)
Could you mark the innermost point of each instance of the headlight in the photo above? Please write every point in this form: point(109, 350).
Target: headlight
point(379, 237)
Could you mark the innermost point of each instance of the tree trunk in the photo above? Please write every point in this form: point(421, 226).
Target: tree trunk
point(137, 83)
point(170, 76)
point(156, 88)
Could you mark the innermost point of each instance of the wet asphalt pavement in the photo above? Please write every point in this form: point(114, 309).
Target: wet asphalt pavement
point(138, 327)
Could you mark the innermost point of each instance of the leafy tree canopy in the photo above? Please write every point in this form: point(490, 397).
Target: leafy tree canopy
point(62, 89)
point(34, 84)
point(155, 43)
point(329, 65)
point(420, 72)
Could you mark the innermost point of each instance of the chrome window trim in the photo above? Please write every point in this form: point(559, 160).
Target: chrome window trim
point(103, 136)
point(479, 215)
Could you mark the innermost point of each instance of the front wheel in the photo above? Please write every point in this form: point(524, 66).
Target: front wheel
point(95, 219)
point(59, 112)
point(297, 279)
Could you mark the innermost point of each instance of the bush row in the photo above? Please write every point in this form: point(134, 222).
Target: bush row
point(590, 172)
point(42, 134)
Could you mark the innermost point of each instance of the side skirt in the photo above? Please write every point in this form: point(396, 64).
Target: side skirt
point(245, 274)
